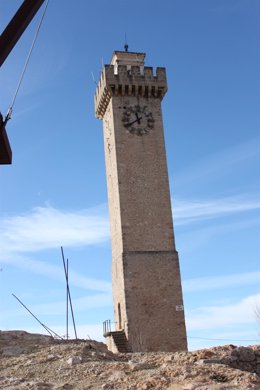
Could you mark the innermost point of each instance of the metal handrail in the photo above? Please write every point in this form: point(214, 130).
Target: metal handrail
point(106, 327)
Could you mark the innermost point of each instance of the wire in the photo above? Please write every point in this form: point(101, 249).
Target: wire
point(205, 338)
point(44, 326)
point(9, 113)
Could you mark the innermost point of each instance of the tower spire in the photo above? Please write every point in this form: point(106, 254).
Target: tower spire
point(126, 44)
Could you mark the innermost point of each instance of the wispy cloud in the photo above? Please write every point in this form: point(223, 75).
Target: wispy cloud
point(47, 227)
point(225, 322)
point(44, 228)
point(213, 317)
point(199, 237)
point(219, 282)
point(240, 335)
point(220, 163)
point(186, 211)
point(51, 271)
point(22, 236)
point(56, 308)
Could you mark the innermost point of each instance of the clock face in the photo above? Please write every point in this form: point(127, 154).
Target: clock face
point(137, 119)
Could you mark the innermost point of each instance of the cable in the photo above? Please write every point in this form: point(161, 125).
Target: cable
point(9, 113)
point(205, 338)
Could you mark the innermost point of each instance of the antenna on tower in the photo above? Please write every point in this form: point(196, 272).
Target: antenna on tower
point(93, 77)
point(126, 45)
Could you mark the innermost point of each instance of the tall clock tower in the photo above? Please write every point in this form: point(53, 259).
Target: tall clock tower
point(147, 294)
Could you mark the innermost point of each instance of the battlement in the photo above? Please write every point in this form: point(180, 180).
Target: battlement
point(128, 80)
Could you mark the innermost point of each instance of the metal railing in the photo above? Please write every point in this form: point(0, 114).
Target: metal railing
point(106, 327)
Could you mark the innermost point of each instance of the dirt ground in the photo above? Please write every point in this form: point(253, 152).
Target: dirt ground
point(37, 362)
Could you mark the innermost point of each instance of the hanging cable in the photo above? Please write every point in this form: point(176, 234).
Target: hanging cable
point(9, 113)
point(205, 338)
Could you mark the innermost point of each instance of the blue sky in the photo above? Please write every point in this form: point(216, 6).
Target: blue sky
point(54, 193)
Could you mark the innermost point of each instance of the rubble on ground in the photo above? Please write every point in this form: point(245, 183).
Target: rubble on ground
point(38, 362)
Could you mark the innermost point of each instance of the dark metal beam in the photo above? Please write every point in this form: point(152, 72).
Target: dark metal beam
point(16, 26)
point(5, 148)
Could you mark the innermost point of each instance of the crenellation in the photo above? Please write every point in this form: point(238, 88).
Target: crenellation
point(148, 72)
point(161, 74)
point(108, 72)
point(128, 81)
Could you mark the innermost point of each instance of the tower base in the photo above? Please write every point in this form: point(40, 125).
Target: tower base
point(152, 315)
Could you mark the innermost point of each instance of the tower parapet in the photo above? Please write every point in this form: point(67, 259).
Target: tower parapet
point(128, 79)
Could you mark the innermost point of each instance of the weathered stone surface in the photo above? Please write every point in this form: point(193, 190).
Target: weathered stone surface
point(74, 360)
point(12, 351)
point(244, 354)
point(212, 361)
point(137, 366)
point(47, 368)
point(64, 386)
point(147, 294)
point(190, 386)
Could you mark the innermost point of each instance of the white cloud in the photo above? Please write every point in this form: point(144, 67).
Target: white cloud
point(219, 282)
point(215, 317)
point(242, 334)
point(229, 323)
point(54, 272)
point(186, 211)
point(220, 163)
point(46, 227)
point(80, 305)
point(201, 237)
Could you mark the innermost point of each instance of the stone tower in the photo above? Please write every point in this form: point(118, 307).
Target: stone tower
point(147, 294)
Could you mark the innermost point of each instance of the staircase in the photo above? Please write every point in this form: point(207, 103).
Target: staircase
point(120, 340)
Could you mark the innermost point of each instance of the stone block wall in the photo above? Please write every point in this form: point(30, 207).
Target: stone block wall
point(146, 280)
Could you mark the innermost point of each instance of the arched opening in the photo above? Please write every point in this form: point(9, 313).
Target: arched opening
point(119, 316)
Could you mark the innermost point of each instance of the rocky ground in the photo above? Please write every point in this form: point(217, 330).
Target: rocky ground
point(38, 362)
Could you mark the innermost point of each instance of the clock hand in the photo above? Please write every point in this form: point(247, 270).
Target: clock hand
point(136, 120)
